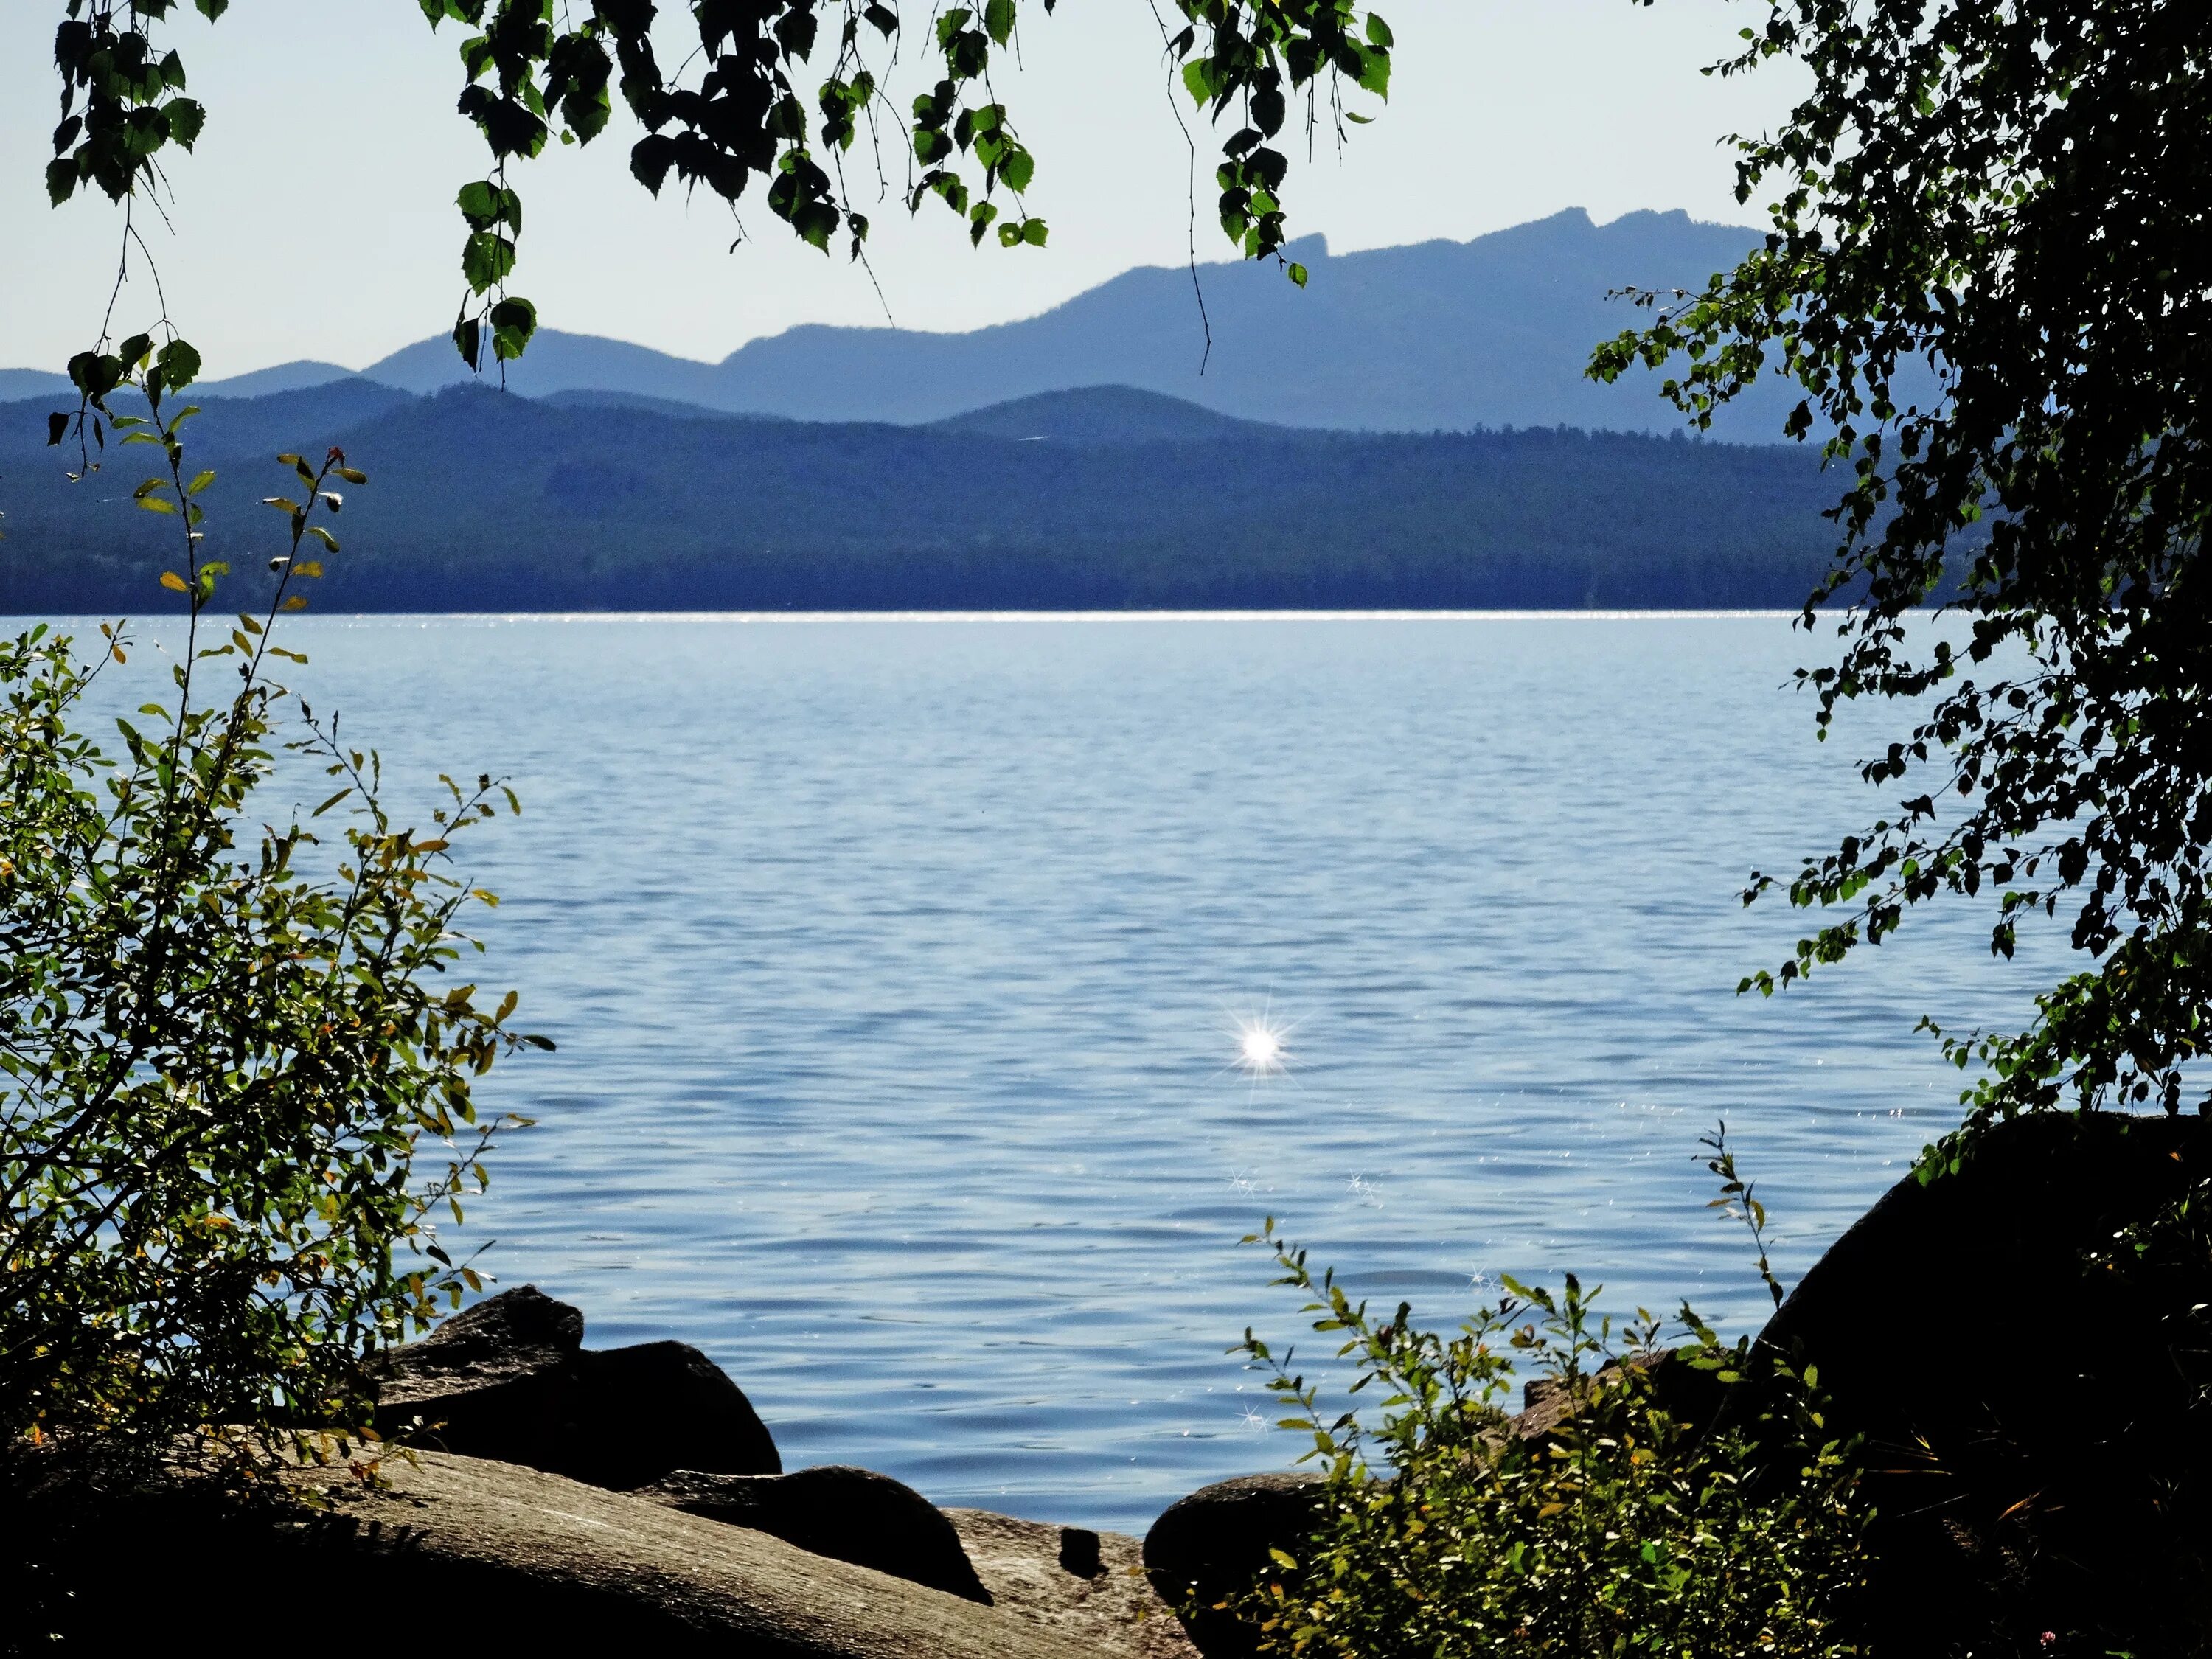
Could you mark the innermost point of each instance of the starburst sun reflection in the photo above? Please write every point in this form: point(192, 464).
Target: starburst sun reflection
point(1262, 1047)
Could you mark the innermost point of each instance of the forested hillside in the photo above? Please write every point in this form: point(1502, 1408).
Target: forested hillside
point(1102, 498)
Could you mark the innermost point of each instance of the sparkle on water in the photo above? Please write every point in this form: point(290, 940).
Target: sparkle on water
point(1261, 1047)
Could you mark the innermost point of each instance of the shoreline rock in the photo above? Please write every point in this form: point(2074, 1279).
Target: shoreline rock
point(2026, 1470)
point(849, 1515)
point(492, 1556)
point(1215, 1543)
point(510, 1379)
point(507, 1384)
point(1113, 1613)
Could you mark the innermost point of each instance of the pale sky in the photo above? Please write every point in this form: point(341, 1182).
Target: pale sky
point(316, 218)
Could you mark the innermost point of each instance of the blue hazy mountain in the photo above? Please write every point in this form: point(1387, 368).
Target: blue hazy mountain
point(1439, 336)
point(19, 383)
point(282, 377)
point(1102, 413)
point(1102, 497)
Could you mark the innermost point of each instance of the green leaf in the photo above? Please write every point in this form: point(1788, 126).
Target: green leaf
point(186, 119)
point(1375, 73)
point(485, 204)
point(513, 322)
point(180, 365)
point(487, 260)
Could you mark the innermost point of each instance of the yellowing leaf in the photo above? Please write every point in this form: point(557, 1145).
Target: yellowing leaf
point(173, 582)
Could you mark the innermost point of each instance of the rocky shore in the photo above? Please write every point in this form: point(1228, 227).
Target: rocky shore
point(555, 1495)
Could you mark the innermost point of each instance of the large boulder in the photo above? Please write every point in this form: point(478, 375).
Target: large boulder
point(847, 1514)
point(473, 1556)
point(2032, 1390)
point(510, 1379)
point(1214, 1545)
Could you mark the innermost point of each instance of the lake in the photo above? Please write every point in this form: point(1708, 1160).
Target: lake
point(898, 967)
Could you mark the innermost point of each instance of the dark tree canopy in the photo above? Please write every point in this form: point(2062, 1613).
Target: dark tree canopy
point(2018, 193)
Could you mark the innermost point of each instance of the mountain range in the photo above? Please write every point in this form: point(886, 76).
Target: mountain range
point(1437, 337)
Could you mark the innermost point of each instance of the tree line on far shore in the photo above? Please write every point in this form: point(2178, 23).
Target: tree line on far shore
point(490, 501)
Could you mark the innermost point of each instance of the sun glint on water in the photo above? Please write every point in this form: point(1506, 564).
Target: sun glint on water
point(1260, 1047)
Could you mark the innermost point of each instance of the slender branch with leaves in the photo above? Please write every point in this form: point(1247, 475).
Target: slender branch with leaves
point(1649, 1507)
point(223, 1047)
point(740, 106)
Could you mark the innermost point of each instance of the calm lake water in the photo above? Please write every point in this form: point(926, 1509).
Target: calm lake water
point(896, 966)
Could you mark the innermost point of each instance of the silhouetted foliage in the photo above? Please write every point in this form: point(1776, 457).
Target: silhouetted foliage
point(2018, 195)
point(222, 1047)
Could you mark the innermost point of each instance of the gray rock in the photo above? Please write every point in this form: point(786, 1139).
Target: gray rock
point(2037, 1420)
point(644, 1412)
point(472, 1555)
point(847, 1514)
point(502, 1338)
point(1214, 1545)
point(510, 1379)
point(1113, 1614)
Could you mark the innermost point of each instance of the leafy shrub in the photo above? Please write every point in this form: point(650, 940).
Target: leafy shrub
point(222, 1047)
point(1683, 1501)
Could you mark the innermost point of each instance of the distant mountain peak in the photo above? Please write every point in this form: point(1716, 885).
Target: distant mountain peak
point(1094, 414)
point(1433, 335)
